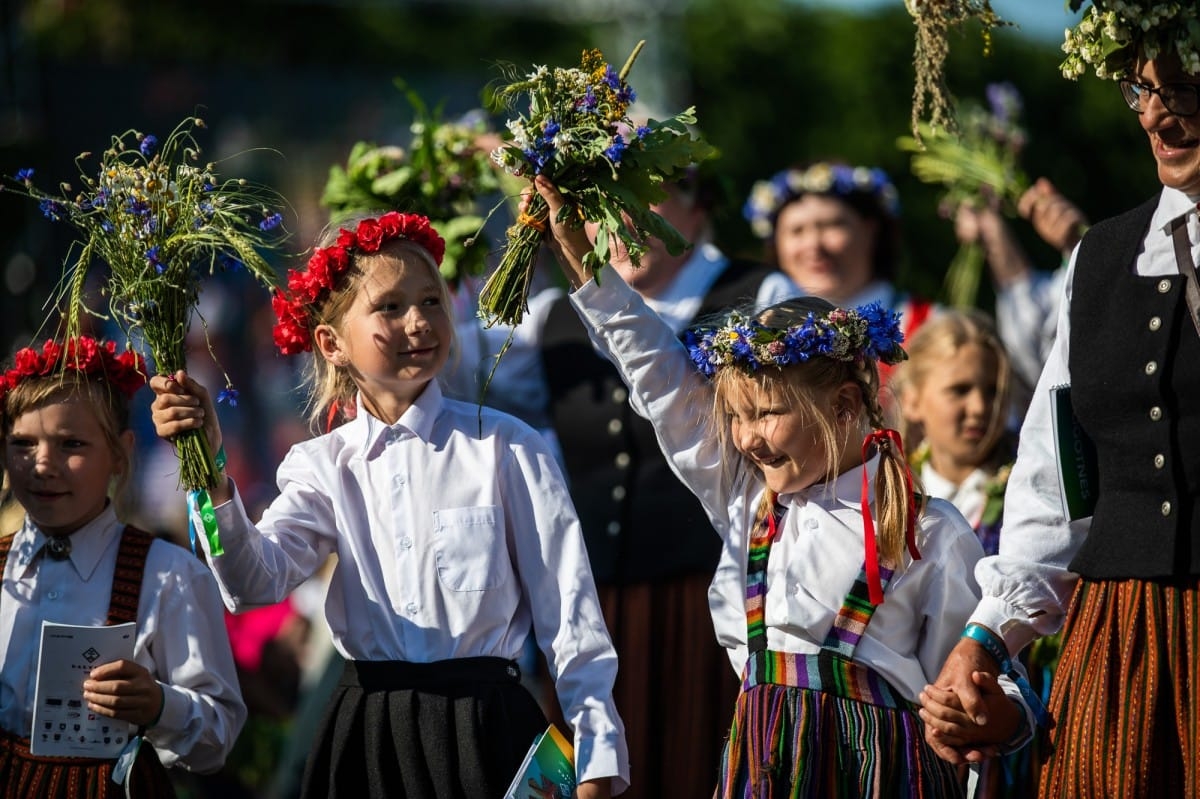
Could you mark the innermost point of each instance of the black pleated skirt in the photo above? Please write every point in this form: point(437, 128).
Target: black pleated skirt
point(452, 729)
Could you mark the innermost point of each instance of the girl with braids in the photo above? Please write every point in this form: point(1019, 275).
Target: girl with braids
point(836, 603)
point(455, 537)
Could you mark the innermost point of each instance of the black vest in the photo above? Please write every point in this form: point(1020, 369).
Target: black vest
point(639, 522)
point(1135, 376)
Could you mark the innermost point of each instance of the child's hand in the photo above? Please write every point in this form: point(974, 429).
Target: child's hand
point(181, 404)
point(594, 789)
point(569, 243)
point(947, 722)
point(124, 690)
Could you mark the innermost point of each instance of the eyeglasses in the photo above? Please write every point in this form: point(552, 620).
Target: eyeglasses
point(1181, 99)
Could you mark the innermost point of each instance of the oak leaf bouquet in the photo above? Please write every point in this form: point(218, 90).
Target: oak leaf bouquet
point(153, 223)
point(978, 164)
point(578, 133)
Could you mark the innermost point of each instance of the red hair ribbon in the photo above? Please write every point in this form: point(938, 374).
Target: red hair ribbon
point(884, 438)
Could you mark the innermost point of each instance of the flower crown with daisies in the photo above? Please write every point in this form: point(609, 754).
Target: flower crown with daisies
point(767, 197)
point(851, 336)
point(307, 289)
point(125, 371)
point(1114, 34)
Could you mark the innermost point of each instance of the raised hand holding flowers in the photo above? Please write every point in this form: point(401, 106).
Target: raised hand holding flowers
point(978, 164)
point(578, 133)
point(153, 223)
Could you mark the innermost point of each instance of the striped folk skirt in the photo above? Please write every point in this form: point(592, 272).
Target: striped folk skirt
point(24, 776)
point(1126, 694)
point(792, 742)
point(452, 729)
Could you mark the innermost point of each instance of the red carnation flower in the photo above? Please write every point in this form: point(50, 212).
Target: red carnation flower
point(370, 235)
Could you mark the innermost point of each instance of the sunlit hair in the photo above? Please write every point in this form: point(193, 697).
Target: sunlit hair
point(939, 339)
point(112, 413)
point(331, 389)
point(809, 387)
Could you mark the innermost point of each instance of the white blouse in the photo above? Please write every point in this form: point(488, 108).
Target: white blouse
point(819, 554)
point(181, 637)
point(454, 534)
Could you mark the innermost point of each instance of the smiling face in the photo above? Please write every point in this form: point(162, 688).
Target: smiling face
point(60, 463)
point(826, 247)
point(395, 335)
point(955, 405)
point(1174, 140)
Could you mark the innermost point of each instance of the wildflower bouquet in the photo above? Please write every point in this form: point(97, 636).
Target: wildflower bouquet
point(978, 165)
point(441, 175)
point(161, 222)
point(934, 19)
point(1114, 33)
point(578, 133)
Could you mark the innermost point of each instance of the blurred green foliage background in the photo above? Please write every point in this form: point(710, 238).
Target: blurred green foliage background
point(774, 83)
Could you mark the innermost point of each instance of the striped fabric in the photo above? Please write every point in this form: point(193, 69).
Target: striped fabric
point(1126, 694)
point(852, 619)
point(24, 776)
point(823, 726)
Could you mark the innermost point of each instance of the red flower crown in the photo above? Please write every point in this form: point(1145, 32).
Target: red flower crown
point(307, 289)
point(125, 371)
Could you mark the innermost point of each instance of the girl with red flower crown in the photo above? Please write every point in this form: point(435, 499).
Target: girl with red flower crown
point(67, 456)
point(447, 519)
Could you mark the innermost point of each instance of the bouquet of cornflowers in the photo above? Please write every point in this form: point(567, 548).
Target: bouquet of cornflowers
point(161, 222)
point(441, 174)
point(1113, 33)
point(978, 165)
point(934, 19)
point(578, 133)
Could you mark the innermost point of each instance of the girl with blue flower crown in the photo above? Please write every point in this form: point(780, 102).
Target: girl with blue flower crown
point(836, 602)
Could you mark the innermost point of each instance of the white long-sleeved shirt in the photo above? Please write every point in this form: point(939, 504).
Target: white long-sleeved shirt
point(454, 534)
point(181, 636)
point(1027, 587)
point(820, 553)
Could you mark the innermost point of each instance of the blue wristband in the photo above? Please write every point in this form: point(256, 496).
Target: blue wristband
point(999, 652)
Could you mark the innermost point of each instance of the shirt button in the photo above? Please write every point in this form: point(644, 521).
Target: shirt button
point(1155, 414)
point(406, 542)
point(614, 427)
point(613, 529)
point(620, 394)
point(618, 493)
point(53, 594)
point(1166, 509)
point(399, 480)
point(1164, 286)
point(1155, 322)
point(796, 589)
point(1159, 461)
point(622, 460)
point(810, 523)
point(411, 608)
point(1151, 367)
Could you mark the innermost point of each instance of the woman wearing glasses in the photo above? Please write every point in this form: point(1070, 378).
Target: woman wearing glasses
point(1121, 577)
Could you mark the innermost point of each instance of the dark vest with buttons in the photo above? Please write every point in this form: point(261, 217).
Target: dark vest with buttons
point(639, 522)
point(1135, 376)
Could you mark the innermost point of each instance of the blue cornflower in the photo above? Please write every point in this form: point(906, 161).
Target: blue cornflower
point(551, 129)
point(148, 145)
point(642, 132)
point(51, 210)
point(137, 207)
point(611, 79)
point(152, 256)
point(229, 395)
point(271, 221)
point(616, 150)
point(626, 95)
point(24, 175)
point(228, 263)
point(589, 103)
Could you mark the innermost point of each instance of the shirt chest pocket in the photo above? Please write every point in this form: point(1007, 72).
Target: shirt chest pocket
point(469, 548)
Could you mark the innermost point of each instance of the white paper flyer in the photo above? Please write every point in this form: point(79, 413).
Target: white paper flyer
point(62, 724)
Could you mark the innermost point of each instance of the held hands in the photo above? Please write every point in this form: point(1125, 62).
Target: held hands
point(966, 713)
point(124, 690)
point(181, 404)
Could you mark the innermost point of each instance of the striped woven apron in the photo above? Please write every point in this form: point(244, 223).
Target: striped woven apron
point(824, 726)
point(24, 775)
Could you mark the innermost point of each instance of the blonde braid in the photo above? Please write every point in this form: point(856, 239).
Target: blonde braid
point(891, 483)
